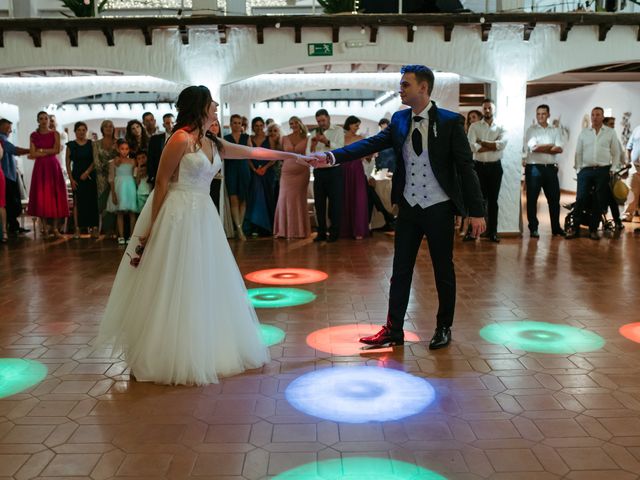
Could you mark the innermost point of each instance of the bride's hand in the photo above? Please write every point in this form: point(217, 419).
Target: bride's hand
point(145, 238)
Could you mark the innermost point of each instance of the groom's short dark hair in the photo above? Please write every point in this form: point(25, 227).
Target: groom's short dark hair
point(422, 73)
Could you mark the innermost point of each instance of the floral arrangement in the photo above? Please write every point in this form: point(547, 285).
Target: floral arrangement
point(135, 261)
point(83, 8)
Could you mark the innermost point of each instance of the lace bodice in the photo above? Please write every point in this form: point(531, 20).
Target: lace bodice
point(196, 171)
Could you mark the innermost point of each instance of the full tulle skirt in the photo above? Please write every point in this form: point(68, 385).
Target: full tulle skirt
point(182, 316)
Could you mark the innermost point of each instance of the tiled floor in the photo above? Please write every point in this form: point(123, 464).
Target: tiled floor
point(498, 413)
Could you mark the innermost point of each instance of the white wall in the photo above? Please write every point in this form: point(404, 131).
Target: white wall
point(572, 107)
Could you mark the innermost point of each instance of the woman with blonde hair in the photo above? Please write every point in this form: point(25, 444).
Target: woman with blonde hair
point(292, 215)
point(104, 150)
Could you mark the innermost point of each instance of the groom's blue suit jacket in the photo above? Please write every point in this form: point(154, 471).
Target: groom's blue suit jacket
point(449, 154)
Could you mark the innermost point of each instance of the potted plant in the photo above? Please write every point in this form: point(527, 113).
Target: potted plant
point(84, 8)
point(338, 6)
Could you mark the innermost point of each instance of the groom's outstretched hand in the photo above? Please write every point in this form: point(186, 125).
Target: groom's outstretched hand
point(320, 160)
point(478, 226)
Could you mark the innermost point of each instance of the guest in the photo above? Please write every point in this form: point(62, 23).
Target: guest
point(149, 122)
point(597, 155)
point(80, 166)
point(612, 202)
point(473, 116)
point(123, 199)
point(156, 145)
point(245, 124)
point(292, 214)
point(216, 184)
point(3, 203)
point(237, 176)
point(385, 158)
point(142, 180)
point(328, 182)
point(354, 221)
point(136, 136)
point(64, 139)
point(543, 144)
point(104, 150)
point(373, 197)
point(13, 200)
point(261, 203)
point(487, 142)
point(633, 155)
point(48, 193)
point(462, 223)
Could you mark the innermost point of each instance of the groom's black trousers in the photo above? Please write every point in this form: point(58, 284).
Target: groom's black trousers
point(412, 225)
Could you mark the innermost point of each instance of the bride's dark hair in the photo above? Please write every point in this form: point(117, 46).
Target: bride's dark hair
point(193, 109)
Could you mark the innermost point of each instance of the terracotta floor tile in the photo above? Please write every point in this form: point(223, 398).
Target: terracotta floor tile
point(498, 414)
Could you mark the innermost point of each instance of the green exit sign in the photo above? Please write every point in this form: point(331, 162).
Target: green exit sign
point(320, 49)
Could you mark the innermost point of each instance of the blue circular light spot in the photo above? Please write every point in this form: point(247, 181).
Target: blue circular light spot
point(360, 394)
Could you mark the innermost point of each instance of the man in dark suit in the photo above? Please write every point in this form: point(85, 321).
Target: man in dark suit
point(156, 145)
point(434, 181)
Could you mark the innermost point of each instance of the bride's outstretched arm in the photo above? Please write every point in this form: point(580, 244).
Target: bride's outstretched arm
point(172, 153)
point(233, 151)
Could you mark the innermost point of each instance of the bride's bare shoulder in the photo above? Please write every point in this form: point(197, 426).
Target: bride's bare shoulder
point(179, 138)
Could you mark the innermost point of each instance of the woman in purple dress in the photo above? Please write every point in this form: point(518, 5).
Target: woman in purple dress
point(355, 209)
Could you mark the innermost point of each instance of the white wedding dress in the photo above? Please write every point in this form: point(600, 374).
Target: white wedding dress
point(183, 315)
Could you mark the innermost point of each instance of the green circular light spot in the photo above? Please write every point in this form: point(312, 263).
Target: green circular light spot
point(361, 468)
point(17, 374)
point(271, 335)
point(542, 337)
point(279, 297)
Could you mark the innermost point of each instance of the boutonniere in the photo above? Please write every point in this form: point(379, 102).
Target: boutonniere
point(435, 130)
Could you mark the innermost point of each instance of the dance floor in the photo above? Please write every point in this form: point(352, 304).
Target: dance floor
point(539, 382)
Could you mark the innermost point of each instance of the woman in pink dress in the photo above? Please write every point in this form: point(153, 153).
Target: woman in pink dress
point(355, 205)
point(48, 192)
point(292, 215)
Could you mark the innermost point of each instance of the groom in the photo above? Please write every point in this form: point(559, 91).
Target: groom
point(434, 180)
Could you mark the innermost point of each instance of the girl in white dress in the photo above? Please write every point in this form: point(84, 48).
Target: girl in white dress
point(179, 313)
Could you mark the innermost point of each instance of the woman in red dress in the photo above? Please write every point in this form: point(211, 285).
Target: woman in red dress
point(48, 192)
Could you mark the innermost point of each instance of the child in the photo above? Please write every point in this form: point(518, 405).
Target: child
point(142, 179)
point(123, 198)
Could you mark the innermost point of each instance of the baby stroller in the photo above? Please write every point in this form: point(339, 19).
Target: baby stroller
point(608, 225)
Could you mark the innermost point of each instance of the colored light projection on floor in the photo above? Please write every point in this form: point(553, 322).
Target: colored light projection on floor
point(344, 339)
point(631, 331)
point(361, 468)
point(271, 335)
point(279, 297)
point(17, 374)
point(359, 394)
point(542, 337)
point(286, 276)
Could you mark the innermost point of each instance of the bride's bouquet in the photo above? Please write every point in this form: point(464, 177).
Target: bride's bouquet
point(135, 261)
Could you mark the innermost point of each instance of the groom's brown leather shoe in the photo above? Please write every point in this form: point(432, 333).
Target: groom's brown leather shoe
point(385, 337)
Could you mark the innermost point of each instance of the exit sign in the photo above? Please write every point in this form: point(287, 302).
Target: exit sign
point(320, 49)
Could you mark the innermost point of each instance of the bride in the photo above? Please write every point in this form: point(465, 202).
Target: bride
point(179, 310)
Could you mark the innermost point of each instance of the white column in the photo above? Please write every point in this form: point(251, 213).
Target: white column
point(24, 8)
point(511, 96)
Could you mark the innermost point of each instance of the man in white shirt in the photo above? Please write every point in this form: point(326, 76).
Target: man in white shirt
point(633, 154)
point(597, 155)
point(487, 141)
point(544, 143)
point(328, 183)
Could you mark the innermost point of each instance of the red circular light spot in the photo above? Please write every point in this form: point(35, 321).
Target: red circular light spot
point(344, 339)
point(631, 331)
point(286, 276)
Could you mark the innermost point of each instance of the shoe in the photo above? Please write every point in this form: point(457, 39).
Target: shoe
point(619, 226)
point(441, 338)
point(534, 234)
point(332, 238)
point(23, 230)
point(384, 338)
point(4, 238)
point(560, 232)
point(121, 241)
point(494, 238)
point(626, 218)
point(76, 233)
point(594, 236)
point(468, 238)
point(320, 238)
point(388, 227)
point(636, 230)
